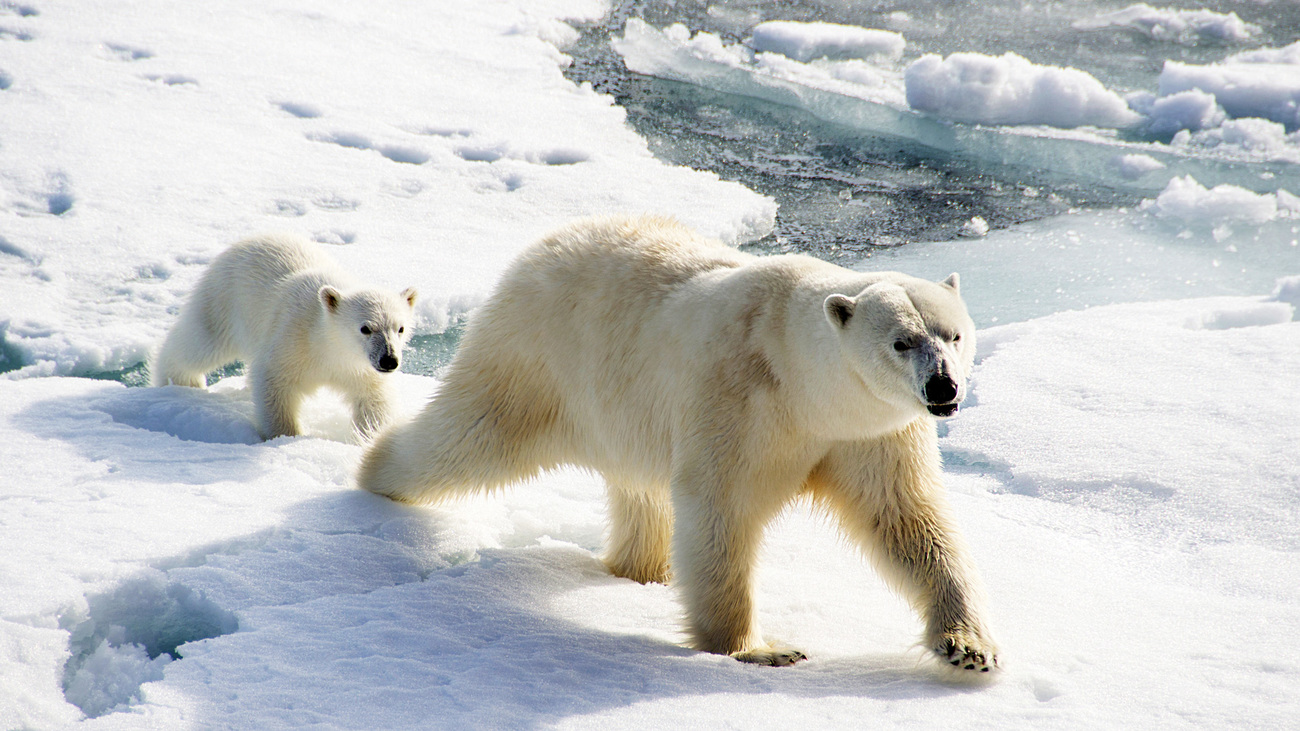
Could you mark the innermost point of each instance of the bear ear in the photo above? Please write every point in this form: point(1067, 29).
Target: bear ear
point(954, 282)
point(410, 294)
point(330, 297)
point(839, 309)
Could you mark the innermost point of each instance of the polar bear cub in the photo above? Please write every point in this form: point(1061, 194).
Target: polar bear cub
point(299, 322)
point(711, 388)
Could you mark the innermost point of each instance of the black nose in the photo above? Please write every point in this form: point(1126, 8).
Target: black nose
point(940, 389)
point(387, 363)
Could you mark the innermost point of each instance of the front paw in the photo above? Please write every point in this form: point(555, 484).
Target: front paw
point(967, 651)
point(776, 656)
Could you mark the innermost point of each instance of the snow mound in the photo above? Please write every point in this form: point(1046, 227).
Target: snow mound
point(1288, 291)
point(1187, 27)
point(807, 41)
point(1009, 89)
point(1192, 109)
point(1187, 202)
point(1134, 166)
point(1263, 83)
point(191, 414)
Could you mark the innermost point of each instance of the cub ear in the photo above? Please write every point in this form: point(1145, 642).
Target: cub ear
point(330, 297)
point(409, 294)
point(839, 309)
point(954, 282)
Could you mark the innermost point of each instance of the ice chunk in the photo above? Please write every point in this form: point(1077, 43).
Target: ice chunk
point(875, 100)
point(1288, 291)
point(975, 228)
point(1243, 89)
point(1009, 89)
point(1188, 27)
point(1192, 109)
point(1244, 137)
point(1285, 55)
point(1132, 167)
point(1188, 201)
point(807, 41)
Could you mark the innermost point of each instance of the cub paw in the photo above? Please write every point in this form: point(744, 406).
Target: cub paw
point(967, 652)
point(774, 656)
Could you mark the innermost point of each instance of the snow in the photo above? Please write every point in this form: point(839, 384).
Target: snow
point(1261, 84)
point(1188, 201)
point(1132, 167)
point(807, 41)
point(1009, 89)
point(149, 138)
point(1125, 470)
point(1188, 27)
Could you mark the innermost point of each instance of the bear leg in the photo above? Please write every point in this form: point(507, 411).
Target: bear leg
point(888, 496)
point(714, 550)
point(276, 397)
point(492, 423)
point(640, 533)
point(372, 409)
point(187, 355)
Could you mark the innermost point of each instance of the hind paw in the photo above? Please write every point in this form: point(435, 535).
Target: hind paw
point(778, 656)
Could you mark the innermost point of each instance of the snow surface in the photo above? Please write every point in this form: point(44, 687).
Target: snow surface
point(1126, 470)
point(139, 141)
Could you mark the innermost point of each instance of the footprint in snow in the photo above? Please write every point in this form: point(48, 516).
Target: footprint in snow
point(354, 141)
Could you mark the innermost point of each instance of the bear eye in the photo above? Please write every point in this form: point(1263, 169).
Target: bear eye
point(401, 330)
point(901, 345)
point(365, 330)
point(956, 338)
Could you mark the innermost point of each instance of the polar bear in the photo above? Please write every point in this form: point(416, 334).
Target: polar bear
point(710, 388)
point(299, 322)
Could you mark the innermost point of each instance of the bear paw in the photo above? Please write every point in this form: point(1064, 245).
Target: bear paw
point(967, 652)
point(777, 656)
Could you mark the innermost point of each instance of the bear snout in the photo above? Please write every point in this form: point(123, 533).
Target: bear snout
point(940, 389)
point(387, 363)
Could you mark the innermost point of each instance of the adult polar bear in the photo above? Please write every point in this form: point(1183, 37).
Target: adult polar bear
point(711, 387)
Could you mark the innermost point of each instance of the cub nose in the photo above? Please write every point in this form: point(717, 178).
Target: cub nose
point(940, 389)
point(387, 363)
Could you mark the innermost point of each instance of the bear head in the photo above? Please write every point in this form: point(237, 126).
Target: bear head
point(376, 322)
point(911, 340)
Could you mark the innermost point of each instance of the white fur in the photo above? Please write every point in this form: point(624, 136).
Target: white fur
point(282, 306)
point(710, 388)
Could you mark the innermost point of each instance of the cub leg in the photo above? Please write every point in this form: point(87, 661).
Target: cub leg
point(641, 529)
point(276, 398)
point(888, 495)
point(371, 410)
point(188, 354)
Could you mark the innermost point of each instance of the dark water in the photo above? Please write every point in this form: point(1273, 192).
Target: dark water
point(841, 193)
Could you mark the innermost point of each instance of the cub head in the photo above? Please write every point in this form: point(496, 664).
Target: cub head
point(911, 341)
point(376, 322)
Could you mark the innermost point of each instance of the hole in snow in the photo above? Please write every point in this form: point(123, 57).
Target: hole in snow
point(59, 203)
point(301, 111)
point(408, 155)
point(128, 635)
